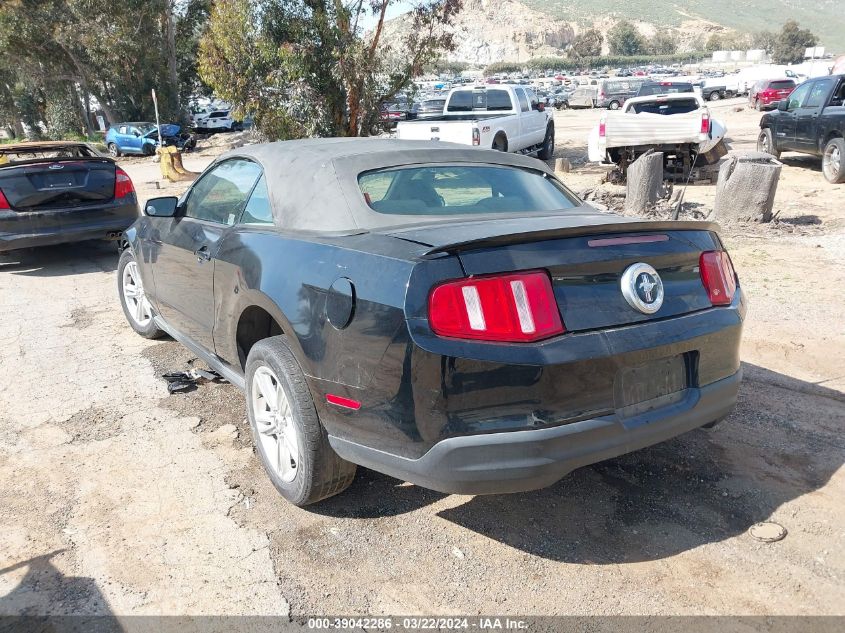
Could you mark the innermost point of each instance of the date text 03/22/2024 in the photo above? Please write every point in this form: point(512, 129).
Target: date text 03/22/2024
point(480, 623)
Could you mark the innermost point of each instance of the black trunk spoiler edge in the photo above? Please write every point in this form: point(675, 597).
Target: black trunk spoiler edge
point(610, 228)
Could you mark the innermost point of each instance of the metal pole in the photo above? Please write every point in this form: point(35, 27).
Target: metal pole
point(158, 124)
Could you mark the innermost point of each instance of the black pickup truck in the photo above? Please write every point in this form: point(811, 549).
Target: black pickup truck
point(812, 121)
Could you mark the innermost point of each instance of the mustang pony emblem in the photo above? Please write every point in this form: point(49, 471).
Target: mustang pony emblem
point(642, 288)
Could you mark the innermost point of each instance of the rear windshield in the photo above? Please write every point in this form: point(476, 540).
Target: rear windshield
point(664, 89)
point(782, 85)
point(489, 100)
point(462, 190)
point(675, 106)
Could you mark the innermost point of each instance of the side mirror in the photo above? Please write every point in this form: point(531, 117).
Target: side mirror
point(783, 105)
point(539, 106)
point(136, 133)
point(161, 207)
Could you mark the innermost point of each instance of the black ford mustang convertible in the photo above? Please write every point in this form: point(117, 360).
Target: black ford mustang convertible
point(450, 316)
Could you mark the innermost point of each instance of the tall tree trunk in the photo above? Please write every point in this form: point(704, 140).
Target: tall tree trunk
point(82, 103)
point(172, 67)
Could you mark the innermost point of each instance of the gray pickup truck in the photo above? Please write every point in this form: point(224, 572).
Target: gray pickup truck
point(812, 121)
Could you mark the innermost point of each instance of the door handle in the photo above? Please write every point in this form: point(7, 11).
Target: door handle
point(202, 254)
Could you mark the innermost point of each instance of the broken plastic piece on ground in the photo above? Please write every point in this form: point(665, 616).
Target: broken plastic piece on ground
point(184, 381)
point(768, 531)
point(181, 386)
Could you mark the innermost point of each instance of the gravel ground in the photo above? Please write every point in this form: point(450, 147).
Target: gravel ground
point(120, 498)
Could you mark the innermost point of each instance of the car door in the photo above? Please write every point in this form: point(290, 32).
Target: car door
point(535, 120)
point(122, 138)
point(524, 107)
point(807, 115)
point(187, 245)
point(231, 272)
point(786, 121)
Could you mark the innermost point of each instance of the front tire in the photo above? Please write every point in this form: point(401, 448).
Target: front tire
point(291, 444)
point(766, 143)
point(133, 299)
point(833, 161)
point(548, 148)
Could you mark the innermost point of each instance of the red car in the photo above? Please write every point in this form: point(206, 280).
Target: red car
point(765, 94)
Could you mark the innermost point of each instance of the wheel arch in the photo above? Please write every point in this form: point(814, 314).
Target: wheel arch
point(828, 137)
point(259, 319)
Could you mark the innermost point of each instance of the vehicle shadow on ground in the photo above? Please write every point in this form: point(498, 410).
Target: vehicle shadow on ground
point(803, 161)
point(47, 600)
point(783, 441)
point(62, 259)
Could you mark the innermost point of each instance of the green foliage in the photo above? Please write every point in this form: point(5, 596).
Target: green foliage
point(625, 39)
point(62, 113)
point(303, 68)
point(791, 43)
point(764, 40)
point(588, 43)
point(662, 43)
point(114, 53)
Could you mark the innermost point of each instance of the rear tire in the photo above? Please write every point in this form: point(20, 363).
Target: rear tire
point(766, 143)
point(757, 105)
point(291, 444)
point(500, 143)
point(114, 150)
point(613, 105)
point(715, 96)
point(833, 161)
point(136, 307)
point(548, 149)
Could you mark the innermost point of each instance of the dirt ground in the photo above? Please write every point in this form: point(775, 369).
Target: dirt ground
point(120, 499)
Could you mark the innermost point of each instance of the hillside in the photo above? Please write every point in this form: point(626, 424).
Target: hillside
point(826, 18)
point(516, 30)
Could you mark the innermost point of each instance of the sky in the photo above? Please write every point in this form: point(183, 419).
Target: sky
point(368, 21)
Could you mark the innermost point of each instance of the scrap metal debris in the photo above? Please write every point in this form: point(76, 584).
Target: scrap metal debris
point(185, 381)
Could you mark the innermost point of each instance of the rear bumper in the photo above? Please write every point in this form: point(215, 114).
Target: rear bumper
point(25, 230)
point(518, 461)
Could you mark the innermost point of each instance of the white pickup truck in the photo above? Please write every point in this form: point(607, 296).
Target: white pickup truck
point(677, 124)
point(506, 117)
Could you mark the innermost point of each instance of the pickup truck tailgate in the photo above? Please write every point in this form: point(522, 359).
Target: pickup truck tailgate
point(626, 129)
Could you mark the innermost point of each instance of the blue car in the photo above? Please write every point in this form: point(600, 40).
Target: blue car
point(142, 138)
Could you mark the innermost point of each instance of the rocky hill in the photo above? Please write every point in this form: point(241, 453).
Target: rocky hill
point(511, 30)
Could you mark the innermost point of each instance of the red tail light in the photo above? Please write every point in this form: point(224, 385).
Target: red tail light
point(516, 307)
point(476, 136)
point(122, 184)
point(705, 123)
point(718, 276)
point(602, 129)
point(4, 204)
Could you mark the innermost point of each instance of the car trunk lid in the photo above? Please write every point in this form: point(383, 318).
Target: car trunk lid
point(58, 184)
point(585, 254)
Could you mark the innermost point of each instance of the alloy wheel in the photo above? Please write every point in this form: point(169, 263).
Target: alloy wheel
point(831, 162)
point(138, 305)
point(277, 431)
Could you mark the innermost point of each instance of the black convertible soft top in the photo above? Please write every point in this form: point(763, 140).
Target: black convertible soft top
point(313, 183)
